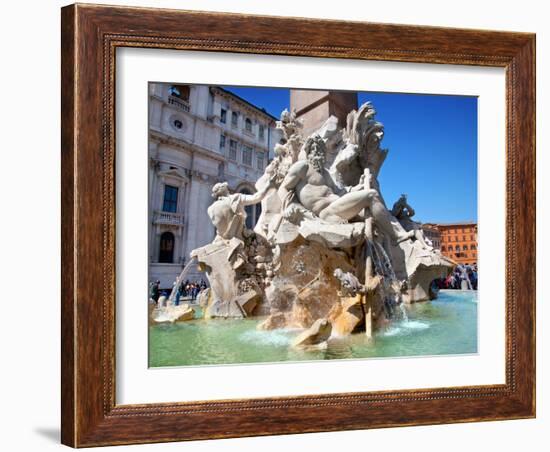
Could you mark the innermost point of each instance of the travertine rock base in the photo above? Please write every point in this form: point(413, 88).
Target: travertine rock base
point(315, 335)
point(304, 288)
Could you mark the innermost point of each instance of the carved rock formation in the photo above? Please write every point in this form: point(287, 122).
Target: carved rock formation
point(173, 313)
point(304, 287)
point(317, 334)
point(347, 316)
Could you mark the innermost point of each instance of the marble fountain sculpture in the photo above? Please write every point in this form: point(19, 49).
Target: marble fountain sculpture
point(326, 253)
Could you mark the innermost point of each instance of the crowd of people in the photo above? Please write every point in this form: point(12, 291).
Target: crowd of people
point(463, 277)
point(189, 290)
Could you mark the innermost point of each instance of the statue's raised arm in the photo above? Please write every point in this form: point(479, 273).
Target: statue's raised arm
point(255, 198)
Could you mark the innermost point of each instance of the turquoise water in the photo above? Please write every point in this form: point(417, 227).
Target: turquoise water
point(447, 325)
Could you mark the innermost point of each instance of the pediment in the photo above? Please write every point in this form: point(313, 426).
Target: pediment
point(174, 174)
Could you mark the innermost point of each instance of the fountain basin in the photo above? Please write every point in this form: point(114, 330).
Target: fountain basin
point(444, 326)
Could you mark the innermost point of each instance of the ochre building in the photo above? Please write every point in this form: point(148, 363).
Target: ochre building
point(459, 241)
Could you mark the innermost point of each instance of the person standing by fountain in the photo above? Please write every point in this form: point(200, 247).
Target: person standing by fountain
point(178, 294)
point(155, 291)
point(472, 276)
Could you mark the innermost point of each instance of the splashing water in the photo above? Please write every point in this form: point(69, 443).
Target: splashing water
point(387, 262)
point(163, 317)
point(417, 325)
point(405, 327)
point(404, 314)
point(178, 281)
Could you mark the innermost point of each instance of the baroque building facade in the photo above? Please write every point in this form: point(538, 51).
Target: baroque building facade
point(198, 135)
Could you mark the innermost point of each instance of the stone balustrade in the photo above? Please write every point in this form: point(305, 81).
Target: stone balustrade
point(179, 103)
point(172, 218)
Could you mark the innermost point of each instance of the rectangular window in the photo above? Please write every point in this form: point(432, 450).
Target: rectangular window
point(234, 119)
point(247, 155)
point(170, 203)
point(261, 132)
point(232, 150)
point(222, 142)
point(223, 116)
point(260, 160)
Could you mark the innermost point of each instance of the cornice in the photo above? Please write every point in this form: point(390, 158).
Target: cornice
point(164, 138)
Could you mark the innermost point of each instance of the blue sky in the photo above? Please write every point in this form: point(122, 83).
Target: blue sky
point(432, 142)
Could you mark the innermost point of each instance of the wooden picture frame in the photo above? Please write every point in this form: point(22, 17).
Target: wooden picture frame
point(90, 36)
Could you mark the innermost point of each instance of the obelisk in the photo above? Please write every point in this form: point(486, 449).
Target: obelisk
point(315, 107)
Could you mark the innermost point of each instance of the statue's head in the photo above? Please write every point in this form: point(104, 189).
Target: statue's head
point(375, 135)
point(315, 151)
point(400, 204)
point(220, 189)
point(285, 116)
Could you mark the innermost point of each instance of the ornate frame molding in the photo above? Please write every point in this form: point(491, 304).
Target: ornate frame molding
point(90, 36)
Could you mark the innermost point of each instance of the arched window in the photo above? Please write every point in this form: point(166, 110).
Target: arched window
point(248, 125)
point(464, 247)
point(166, 249)
point(443, 248)
point(472, 247)
point(457, 249)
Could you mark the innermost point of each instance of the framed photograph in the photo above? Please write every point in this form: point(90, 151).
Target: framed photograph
point(282, 225)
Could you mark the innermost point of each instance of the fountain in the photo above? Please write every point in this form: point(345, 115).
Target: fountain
point(327, 255)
